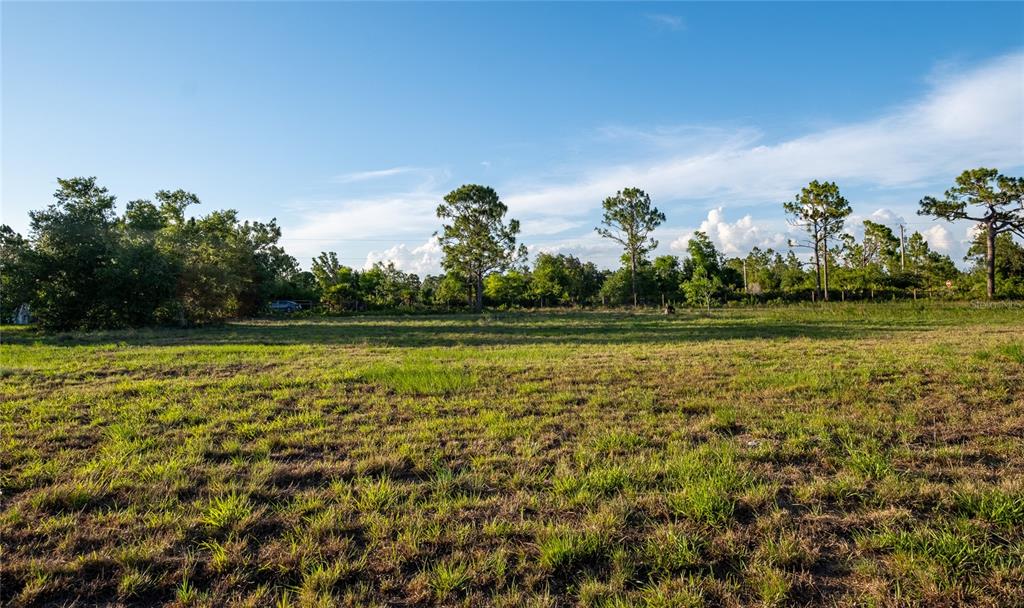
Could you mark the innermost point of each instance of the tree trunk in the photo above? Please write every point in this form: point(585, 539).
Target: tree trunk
point(632, 273)
point(990, 260)
point(817, 265)
point(824, 247)
point(479, 303)
point(182, 321)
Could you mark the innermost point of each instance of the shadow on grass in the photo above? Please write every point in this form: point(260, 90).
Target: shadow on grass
point(505, 329)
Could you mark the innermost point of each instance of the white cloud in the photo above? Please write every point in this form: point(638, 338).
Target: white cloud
point(970, 118)
point(938, 235)
point(422, 260)
point(362, 176)
point(337, 225)
point(854, 223)
point(939, 238)
point(549, 225)
point(974, 119)
point(667, 21)
point(735, 238)
point(888, 217)
point(696, 139)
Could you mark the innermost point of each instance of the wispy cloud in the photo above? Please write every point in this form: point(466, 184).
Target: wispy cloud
point(667, 21)
point(361, 223)
point(364, 176)
point(969, 118)
point(972, 119)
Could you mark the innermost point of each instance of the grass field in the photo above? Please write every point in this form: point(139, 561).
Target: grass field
point(855, 455)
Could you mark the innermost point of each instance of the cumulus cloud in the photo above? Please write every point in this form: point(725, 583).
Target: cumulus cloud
point(939, 238)
point(422, 260)
point(733, 238)
point(887, 216)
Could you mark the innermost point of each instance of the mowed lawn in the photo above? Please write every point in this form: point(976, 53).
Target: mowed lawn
point(851, 455)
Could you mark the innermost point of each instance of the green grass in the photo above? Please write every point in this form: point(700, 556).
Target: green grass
point(849, 455)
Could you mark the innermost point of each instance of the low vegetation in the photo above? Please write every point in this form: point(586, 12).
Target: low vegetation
point(851, 455)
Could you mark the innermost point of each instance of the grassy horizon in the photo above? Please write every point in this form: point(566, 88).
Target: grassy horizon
point(857, 454)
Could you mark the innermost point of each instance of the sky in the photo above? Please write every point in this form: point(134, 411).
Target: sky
point(349, 122)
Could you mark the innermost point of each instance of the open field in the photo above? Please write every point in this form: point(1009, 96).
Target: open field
point(856, 455)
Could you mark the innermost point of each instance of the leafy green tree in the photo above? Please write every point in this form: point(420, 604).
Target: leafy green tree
point(476, 240)
point(228, 266)
point(17, 274)
point(451, 291)
point(347, 293)
point(881, 247)
point(326, 269)
point(368, 283)
point(587, 283)
point(562, 278)
point(616, 289)
point(1009, 270)
point(300, 285)
point(209, 284)
point(920, 257)
point(510, 288)
point(75, 244)
point(667, 276)
point(999, 201)
point(763, 270)
point(428, 288)
point(793, 276)
point(264, 263)
point(820, 210)
point(91, 268)
point(550, 281)
point(145, 275)
point(702, 288)
point(340, 287)
point(872, 263)
point(701, 253)
point(629, 218)
point(386, 286)
point(929, 269)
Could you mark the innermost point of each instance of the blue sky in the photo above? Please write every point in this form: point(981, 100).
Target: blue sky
point(348, 122)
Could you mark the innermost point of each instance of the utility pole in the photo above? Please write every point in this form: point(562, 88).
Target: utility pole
point(745, 275)
point(903, 250)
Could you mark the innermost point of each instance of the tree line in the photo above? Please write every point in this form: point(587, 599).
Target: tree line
point(85, 266)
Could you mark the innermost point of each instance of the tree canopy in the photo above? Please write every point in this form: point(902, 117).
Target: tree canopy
point(820, 211)
point(475, 238)
point(993, 200)
point(629, 218)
